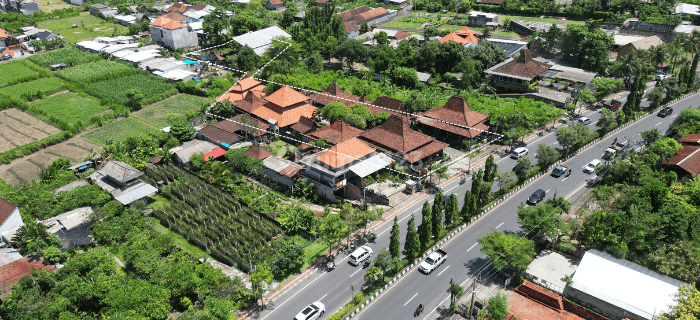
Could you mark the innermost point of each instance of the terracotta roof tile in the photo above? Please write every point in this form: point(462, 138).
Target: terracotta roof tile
point(238, 125)
point(334, 93)
point(305, 125)
point(218, 152)
point(426, 150)
point(251, 102)
point(6, 209)
point(688, 159)
point(549, 298)
point(462, 120)
point(161, 21)
point(175, 17)
point(286, 96)
point(524, 66)
point(13, 271)
point(258, 152)
point(245, 84)
point(336, 132)
point(400, 35)
point(369, 15)
point(347, 15)
point(285, 116)
point(178, 7)
point(691, 138)
point(465, 32)
point(275, 2)
point(219, 135)
point(345, 153)
point(351, 26)
point(397, 135)
point(199, 7)
point(172, 25)
point(290, 171)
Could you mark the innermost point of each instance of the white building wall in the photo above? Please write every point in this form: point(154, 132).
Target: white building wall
point(14, 220)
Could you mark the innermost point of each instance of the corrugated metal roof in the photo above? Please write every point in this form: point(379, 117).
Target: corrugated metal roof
point(371, 165)
point(136, 194)
point(260, 40)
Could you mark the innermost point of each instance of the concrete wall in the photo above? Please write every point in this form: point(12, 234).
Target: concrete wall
point(480, 21)
point(174, 39)
point(14, 220)
point(600, 306)
point(325, 192)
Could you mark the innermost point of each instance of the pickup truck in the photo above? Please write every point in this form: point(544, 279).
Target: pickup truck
point(613, 150)
point(561, 170)
point(433, 261)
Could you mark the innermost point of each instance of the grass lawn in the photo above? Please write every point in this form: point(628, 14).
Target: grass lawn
point(51, 5)
point(159, 202)
point(180, 103)
point(279, 147)
point(88, 28)
point(549, 20)
point(120, 130)
point(313, 251)
point(506, 34)
point(180, 241)
point(70, 107)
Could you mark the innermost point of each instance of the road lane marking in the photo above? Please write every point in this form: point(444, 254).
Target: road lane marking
point(356, 272)
point(547, 190)
point(443, 270)
point(658, 123)
point(323, 297)
point(573, 193)
point(562, 180)
point(472, 247)
point(499, 225)
point(290, 298)
point(409, 300)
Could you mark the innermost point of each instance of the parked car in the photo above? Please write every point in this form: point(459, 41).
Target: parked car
point(671, 132)
point(311, 312)
point(5, 57)
point(590, 167)
point(536, 197)
point(584, 120)
point(518, 153)
point(360, 254)
point(665, 112)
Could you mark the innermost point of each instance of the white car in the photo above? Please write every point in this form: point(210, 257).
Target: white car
point(360, 254)
point(590, 167)
point(584, 120)
point(518, 153)
point(311, 312)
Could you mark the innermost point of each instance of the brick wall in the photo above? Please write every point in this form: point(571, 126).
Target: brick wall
point(352, 192)
point(536, 292)
point(581, 311)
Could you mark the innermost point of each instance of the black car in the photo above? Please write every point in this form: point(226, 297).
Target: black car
point(665, 112)
point(536, 197)
point(5, 57)
point(671, 132)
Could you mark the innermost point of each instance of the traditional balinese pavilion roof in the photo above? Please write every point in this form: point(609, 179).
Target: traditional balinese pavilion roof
point(286, 106)
point(456, 117)
point(334, 93)
point(219, 135)
point(305, 125)
point(243, 124)
point(244, 86)
point(251, 102)
point(258, 152)
point(462, 36)
point(397, 137)
point(345, 153)
point(120, 171)
point(524, 67)
point(687, 159)
point(391, 106)
point(337, 132)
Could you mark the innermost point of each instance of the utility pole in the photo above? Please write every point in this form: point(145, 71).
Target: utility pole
point(471, 307)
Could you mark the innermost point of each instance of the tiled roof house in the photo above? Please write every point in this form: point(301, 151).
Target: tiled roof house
point(286, 106)
point(687, 159)
point(172, 34)
point(391, 106)
point(274, 4)
point(334, 93)
point(396, 137)
point(174, 16)
point(337, 132)
point(13, 271)
point(178, 8)
point(345, 153)
point(244, 86)
point(517, 74)
point(305, 125)
point(258, 152)
point(218, 135)
point(455, 117)
point(250, 102)
point(464, 36)
point(691, 139)
point(355, 17)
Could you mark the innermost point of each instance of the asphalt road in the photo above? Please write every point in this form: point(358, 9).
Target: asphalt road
point(333, 288)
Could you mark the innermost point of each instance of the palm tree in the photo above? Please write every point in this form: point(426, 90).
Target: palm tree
point(658, 55)
point(674, 51)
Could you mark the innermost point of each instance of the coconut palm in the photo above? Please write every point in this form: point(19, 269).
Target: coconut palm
point(658, 55)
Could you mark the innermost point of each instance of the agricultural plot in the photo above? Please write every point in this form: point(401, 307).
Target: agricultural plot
point(69, 56)
point(70, 107)
point(16, 71)
point(95, 71)
point(114, 90)
point(29, 89)
point(119, 130)
point(89, 27)
point(18, 128)
point(27, 168)
point(180, 104)
point(214, 220)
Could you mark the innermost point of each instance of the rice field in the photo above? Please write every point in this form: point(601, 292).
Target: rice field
point(95, 71)
point(69, 56)
point(30, 89)
point(120, 130)
point(153, 88)
point(70, 107)
point(16, 71)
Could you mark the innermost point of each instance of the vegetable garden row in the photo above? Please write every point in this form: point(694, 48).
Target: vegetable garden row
point(153, 88)
point(214, 220)
point(69, 56)
point(98, 70)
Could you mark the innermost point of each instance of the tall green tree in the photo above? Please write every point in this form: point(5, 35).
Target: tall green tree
point(522, 168)
point(469, 207)
point(687, 305)
point(331, 229)
point(490, 169)
point(507, 251)
point(411, 245)
point(546, 155)
point(351, 51)
point(452, 211)
point(498, 307)
point(587, 46)
point(542, 220)
point(571, 135)
point(425, 230)
point(394, 241)
point(436, 219)
point(179, 127)
point(246, 59)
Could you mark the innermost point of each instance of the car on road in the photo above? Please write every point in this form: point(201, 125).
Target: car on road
point(662, 77)
point(665, 112)
point(359, 255)
point(311, 312)
point(518, 153)
point(590, 167)
point(561, 170)
point(433, 261)
point(5, 57)
point(671, 132)
point(536, 197)
point(584, 120)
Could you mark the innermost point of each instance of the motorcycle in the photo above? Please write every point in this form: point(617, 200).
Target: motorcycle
point(330, 265)
point(462, 181)
point(366, 264)
point(418, 311)
point(371, 237)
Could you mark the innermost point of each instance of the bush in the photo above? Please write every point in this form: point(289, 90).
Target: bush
point(591, 137)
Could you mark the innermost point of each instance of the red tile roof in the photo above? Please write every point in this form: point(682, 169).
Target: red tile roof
point(691, 138)
point(172, 25)
point(275, 2)
point(285, 116)
point(351, 26)
point(199, 7)
point(688, 159)
point(13, 271)
point(549, 298)
point(347, 15)
point(426, 150)
point(290, 170)
point(245, 84)
point(459, 117)
point(251, 102)
point(175, 17)
point(161, 21)
point(465, 32)
point(6, 209)
point(334, 93)
point(524, 66)
point(345, 153)
point(400, 35)
point(369, 15)
point(336, 132)
point(218, 152)
point(396, 135)
point(258, 152)
point(286, 97)
point(305, 125)
point(240, 125)
point(219, 135)
point(178, 7)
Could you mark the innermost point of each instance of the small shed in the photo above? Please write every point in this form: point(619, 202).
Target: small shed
point(56, 67)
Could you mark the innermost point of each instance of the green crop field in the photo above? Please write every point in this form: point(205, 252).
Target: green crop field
point(120, 130)
point(70, 107)
point(94, 71)
point(153, 88)
point(69, 56)
point(180, 103)
point(28, 89)
point(15, 71)
point(89, 27)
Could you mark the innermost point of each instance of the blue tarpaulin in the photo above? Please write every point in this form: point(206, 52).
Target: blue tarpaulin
point(225, 144)
point(83, 167)
point(188, 62)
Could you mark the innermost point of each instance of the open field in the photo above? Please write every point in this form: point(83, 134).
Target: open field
point(70, 107)
point(180, 103)
point(95, 71)
point(25, 169)
point(115, 90)
point(120, 130)
point(18, 128)
point(536, 19)
point(26, 90)
point(15, 71)
point(51, 5)
point(69, 56)
point(88, 28)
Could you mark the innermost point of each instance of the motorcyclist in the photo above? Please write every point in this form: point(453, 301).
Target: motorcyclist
point(420, 308)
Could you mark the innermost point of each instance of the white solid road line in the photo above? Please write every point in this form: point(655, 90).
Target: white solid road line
point(573, 193)
point(443, 270)
point(323, 297)
point(290, 298)
point(409, 300)
point(356, 272)
point(547, 190)
point(499, 225)
point(562, 180)
point(658, 123)
point(472, 247)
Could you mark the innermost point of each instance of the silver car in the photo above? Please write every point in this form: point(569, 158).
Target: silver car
point(584, 120)
point(519, 153)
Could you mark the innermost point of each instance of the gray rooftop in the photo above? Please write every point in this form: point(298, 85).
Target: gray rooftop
point(260, 40)
point(71, 186)
point(548, 270)
point(509, 47)
point(8, 255)
point(120, 171)
point(190, 148)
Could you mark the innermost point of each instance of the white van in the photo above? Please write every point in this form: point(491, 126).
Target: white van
point(590, 167)
point(360, 254)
